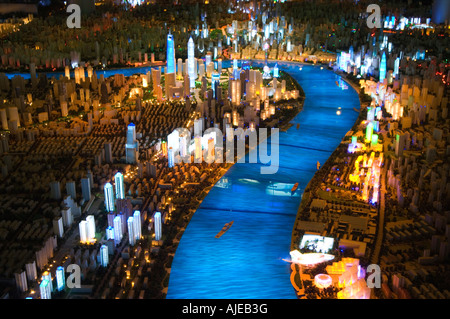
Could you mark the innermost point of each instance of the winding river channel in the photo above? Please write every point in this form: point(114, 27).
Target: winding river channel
point(246, 261)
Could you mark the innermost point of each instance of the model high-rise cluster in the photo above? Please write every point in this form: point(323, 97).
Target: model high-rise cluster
point(87, 230)
point(134, 228)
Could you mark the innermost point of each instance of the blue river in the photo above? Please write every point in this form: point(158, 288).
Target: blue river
point(245, 263)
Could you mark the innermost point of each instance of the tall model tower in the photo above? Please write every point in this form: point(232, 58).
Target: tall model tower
point(170, 157)
point(137, 224)
point(396, 67)
point(157, 222)
point(104, 257)
point(60, 278)
point(383, 67)
point(118, 180)
point(131, 235)
point(117, 230)
point(132, 146)
point(45, 289)
point(86, 189)
point(170, 54)
point(90, 227)
point(191, 63)
point(215, 83)
point(109, 197)
point(82, 226)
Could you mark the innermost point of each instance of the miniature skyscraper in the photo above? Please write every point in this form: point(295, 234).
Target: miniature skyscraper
point(120, 191)
point(191, 63)
point(157, 225)
point(109, 197)
point(383, 67)
point(117, 230)
point(131, 235)
point(137, 224)
point(276, 72)
point(104, 257)
point(45, 289)
point(60, 278)
point(131, 147)
point(170, 54)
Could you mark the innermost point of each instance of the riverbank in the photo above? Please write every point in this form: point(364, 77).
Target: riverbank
point(315, 180)
point(174, 240)
point(313, 185)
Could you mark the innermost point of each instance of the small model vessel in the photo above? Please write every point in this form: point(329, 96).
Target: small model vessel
point(224, 229)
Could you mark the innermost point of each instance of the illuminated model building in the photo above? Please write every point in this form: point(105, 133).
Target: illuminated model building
point(171, 158)
point(90, 227)
point(170, 54)
point(137, 224)
point(383, 67)
point(45, 289)
point(60, 278)
point(132, 145)
point(82, 226)
point(47, 275)
point(131, 236)
point(104, 257)
point(192, 72)
point(118, 181)
point(157, 225)
point(117, 230)
point(109, 197)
